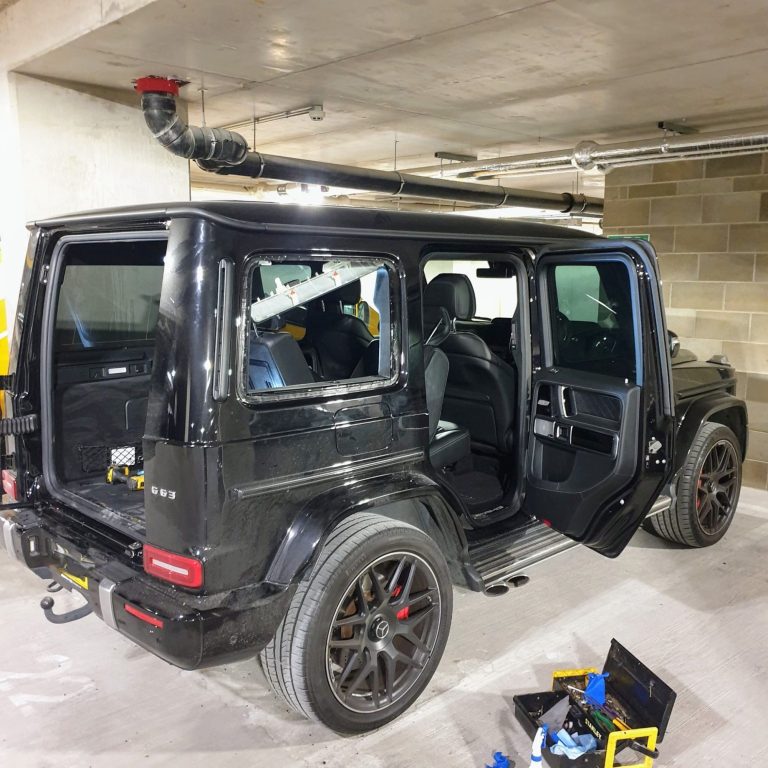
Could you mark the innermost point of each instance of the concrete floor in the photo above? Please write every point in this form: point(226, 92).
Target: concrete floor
point(81, 695)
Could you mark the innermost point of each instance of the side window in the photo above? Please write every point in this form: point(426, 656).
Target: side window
point(318, 321)
point(592, 318)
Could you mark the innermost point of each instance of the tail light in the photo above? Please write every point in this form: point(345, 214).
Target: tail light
point(9, 484)
point(177, 569)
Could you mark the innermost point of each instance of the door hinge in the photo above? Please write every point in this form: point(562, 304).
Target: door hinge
point(20, 425)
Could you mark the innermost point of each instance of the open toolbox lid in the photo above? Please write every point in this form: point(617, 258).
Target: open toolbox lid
point(643, 696)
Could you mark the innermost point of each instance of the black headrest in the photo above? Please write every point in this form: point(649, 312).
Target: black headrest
point(454, 292)
point(437, 326)
point(347, 294)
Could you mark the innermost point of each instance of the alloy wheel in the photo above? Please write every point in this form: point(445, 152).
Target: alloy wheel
point(384, 631)
point(717, 487)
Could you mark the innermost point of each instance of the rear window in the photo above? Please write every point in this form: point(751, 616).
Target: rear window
point(109, 295)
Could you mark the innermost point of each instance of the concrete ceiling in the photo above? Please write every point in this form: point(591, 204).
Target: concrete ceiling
point(486, 77)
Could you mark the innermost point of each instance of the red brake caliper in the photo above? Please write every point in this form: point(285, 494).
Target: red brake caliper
point(402, 614)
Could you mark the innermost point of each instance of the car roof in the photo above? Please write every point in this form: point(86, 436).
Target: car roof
point(260, 215)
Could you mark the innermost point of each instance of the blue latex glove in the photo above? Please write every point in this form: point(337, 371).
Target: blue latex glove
point(573, 745)
point(500, 761)
point(594, 693)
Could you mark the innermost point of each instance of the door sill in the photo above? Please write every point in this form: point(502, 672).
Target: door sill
point(504, 556)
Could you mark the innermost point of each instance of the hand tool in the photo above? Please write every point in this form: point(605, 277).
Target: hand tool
point(122, 474)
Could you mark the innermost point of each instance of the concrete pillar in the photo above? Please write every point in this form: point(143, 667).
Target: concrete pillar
point(67, 147)
point(67, 150)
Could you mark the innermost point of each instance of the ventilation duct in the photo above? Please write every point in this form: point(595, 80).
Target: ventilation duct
point(226, 152)
point(588, 155)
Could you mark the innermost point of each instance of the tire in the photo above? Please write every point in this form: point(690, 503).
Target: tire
point(702, 516)
point(306, 661)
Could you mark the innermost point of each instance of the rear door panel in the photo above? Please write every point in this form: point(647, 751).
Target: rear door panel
point(601, 431)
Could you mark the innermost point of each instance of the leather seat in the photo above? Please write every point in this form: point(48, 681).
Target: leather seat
point(275, 360)
point(481, 388)
point(448, 443)
point(338, 340)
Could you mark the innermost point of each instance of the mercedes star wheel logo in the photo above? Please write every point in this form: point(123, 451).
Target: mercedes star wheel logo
point(382, 629)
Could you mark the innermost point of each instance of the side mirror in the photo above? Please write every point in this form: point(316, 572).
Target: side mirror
point(674, 344)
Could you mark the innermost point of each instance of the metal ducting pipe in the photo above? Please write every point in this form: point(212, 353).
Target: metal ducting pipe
point(226, 152)
point(588, 155)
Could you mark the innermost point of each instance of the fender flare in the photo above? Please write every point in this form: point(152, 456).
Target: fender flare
point(411, 497)
point(722, 408)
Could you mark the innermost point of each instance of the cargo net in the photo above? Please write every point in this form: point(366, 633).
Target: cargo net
point(96, 458)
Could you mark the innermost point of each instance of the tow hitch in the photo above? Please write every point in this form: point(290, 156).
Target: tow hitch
point(62, 618)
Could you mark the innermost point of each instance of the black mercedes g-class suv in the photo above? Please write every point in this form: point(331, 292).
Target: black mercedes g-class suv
point(335, 416)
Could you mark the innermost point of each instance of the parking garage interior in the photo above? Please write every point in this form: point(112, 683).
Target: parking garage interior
point(643, 123)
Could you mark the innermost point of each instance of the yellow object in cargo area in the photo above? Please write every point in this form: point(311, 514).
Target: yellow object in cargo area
point(4, 351)
point(5, 355)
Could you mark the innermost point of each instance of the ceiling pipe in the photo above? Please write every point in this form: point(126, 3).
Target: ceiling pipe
point(226, 152)
point(588, 155)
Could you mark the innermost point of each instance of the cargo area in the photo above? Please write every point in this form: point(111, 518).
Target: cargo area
point(102, 349)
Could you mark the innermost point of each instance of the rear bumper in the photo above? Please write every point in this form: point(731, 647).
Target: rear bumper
point(181, 628)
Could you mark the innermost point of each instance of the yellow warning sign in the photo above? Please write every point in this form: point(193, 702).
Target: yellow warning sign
point(81, 582)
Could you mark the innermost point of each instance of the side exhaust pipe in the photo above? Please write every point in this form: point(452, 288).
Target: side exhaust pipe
point(226, 152)
point(502, 587)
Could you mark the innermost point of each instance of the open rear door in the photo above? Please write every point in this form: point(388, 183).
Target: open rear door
point(602, 426)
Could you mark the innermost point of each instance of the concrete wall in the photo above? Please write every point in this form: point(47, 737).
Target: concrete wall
point(72, 151)
point(708, 221)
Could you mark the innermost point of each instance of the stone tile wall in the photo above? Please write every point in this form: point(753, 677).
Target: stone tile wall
point(708, 221)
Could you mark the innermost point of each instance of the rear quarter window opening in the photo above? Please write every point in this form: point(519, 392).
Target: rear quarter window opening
point(318, 321)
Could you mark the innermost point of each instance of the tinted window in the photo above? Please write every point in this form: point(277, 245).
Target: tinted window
point(592, 318)
point(104, 301)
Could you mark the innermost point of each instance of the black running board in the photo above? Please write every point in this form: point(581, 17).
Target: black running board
point(499, 560)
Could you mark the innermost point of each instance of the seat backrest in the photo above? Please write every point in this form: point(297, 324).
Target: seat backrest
point(275, 360)
point(436, 368)
point(340, 340)
point(481, 388)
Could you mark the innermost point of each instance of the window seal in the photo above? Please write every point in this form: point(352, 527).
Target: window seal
point(323, 390)
point(221, 367)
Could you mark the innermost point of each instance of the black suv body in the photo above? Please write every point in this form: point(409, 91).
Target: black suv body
point(260, 462)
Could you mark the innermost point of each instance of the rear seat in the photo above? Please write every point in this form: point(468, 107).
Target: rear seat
point(275, 360)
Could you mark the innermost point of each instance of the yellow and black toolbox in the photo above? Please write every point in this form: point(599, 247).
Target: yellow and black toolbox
point(642, 701)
